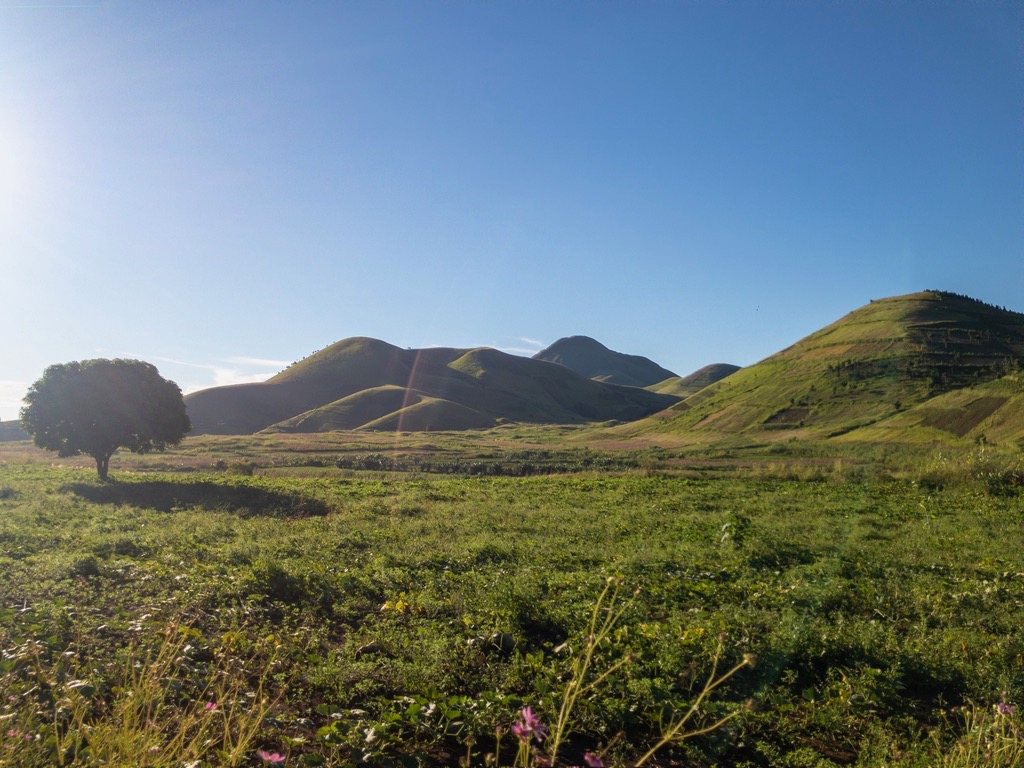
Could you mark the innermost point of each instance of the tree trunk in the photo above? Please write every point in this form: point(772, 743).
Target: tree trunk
point(102, 465)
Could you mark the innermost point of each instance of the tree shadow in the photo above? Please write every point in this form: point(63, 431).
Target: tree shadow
point(164, 496)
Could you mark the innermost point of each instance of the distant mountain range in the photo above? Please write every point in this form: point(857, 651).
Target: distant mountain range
point(926, 367)
point(363, 383)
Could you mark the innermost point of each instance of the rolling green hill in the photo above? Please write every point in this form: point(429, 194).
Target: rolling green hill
point(684, 386)
point(362, 383)
point(594, 360)
point(872, 365)
point(929, 365)
point(388, 408)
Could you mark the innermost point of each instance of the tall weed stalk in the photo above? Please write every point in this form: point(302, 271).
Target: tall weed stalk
point(161, 709)
point(992, 737)
point(584, 678)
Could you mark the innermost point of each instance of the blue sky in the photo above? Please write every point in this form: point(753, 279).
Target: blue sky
point(224, 187)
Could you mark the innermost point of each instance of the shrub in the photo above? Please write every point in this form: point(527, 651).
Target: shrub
point(996, 474)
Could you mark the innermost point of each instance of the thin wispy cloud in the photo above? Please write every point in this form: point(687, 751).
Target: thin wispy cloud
point(222, 373)
point(518, 351)
point(533, 347)
point(190, 376)
point(223, 377)
point(260, 362)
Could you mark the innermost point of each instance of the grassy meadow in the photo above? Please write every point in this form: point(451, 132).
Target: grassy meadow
point(362, 599)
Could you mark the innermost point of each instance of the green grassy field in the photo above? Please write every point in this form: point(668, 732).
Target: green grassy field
point(394, 603)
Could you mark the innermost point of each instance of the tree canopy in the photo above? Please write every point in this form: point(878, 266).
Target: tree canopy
point(94, 407)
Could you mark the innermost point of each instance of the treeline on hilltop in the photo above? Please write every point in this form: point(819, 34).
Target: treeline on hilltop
point(964, 296)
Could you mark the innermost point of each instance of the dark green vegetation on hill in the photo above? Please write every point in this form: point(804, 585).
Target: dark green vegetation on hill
point(869, 369)
point(423, 609)
point(367, 384)
point(592, 359)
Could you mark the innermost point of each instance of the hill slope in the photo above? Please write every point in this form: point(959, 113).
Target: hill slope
point(362, 383)
point(989, 412)
point(873, 363)
point(684, 386)
point(592, 359)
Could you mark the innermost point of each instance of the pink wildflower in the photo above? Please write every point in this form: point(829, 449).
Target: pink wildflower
point(211, 705)
point(592, 760)
point(529, 725)
point(270, 757)
point(1005, 709)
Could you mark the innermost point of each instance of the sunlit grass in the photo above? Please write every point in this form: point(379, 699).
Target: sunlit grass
point(425, 610)
point(162, 705)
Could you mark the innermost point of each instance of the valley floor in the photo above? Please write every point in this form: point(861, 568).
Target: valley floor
point(398, 614)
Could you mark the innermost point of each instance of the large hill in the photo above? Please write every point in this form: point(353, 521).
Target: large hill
point(900, 359)
point(592, 359)
point(362, 383)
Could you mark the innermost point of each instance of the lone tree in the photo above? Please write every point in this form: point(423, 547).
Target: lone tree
point(97, 406)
